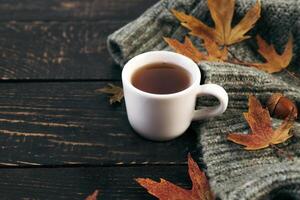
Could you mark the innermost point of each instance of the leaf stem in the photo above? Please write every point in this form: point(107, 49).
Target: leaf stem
point(234, 56)
point(236, 60)
point(283, 153)
point(296, 76)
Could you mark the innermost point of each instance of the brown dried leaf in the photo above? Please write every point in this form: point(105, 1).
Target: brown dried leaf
point(262, 135)
point(237, 34)
point(275, 62)
point(197, 27)
point(93, 196)
point(214, 53)
point(116, 93)
point(222, 13)
point(165, 190)
point(187, 48)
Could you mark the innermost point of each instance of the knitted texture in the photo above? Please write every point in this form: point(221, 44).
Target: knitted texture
point(233, 172)
point(279, 18)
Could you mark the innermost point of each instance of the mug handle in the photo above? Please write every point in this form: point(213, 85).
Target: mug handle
point(212, 90)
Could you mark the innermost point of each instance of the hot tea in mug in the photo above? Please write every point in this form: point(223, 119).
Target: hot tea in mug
point(160, 90)
point(161, 78)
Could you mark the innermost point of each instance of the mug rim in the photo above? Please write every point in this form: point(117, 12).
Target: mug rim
point(195, 81)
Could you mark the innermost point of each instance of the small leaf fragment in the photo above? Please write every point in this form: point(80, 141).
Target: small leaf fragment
point(93, 196)
point(116, 93)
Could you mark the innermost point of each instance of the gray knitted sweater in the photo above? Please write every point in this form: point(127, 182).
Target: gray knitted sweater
point(233, 172)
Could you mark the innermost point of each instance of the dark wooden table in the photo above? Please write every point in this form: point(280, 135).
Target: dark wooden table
point(59, 139)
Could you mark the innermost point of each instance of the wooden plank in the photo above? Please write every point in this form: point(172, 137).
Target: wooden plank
point(66, 49)
point(56, 50)
point(27, 10)
point(77, 183)
point(63, 123)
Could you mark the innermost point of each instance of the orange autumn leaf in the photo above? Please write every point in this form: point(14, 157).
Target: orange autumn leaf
point(93, 196)
point(214, 53)
point(262, 135)
point(186, 48)
point(222, 14)
point(165, 190)
point(275, 62)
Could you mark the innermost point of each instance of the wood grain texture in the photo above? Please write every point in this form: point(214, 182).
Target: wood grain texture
point(58, 138)
point(69, 124)
point(78, 183)
point(56, 50)
point(62, 10)
point(53, 44)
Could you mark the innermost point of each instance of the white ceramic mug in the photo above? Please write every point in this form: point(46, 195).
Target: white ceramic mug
point(166, 116)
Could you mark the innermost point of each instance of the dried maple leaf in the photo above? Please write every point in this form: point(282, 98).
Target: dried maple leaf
point(275, 62)
point(262, 134)
point(222, 14)
point(187, 48)
point(93, 196)
point(165, 190)
point(214, 53)
point(115, 91)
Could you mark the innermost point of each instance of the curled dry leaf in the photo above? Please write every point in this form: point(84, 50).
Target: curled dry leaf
point(281, 107)
point(93, 196)
point(274, 61)
point(222, 14)
point(165, 190)
point(262, 135)
point(214, 53)
point(116, 93)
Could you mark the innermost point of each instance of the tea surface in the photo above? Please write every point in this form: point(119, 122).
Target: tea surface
point(161, 78)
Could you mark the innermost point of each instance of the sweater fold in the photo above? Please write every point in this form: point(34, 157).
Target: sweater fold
point(234, 172)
